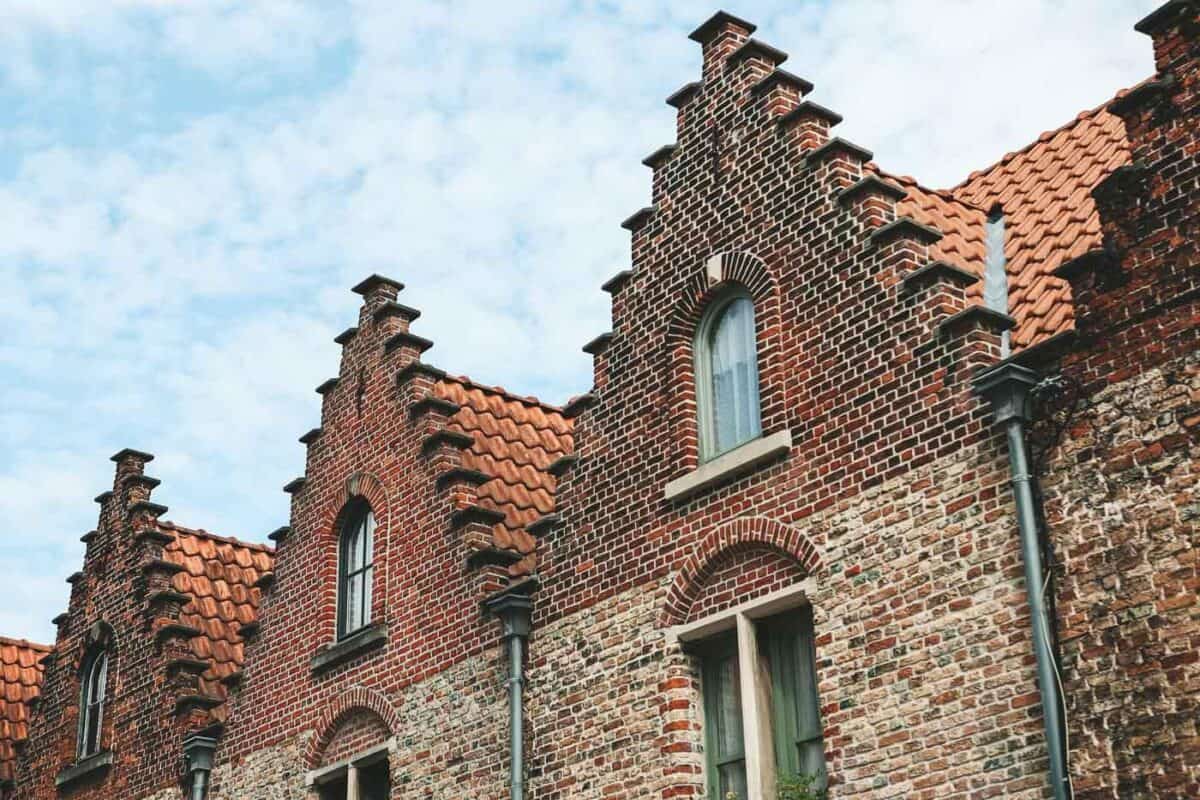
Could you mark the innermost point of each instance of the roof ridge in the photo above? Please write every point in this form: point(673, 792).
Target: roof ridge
point(175, 526)
point(25, 643)
point(501, 391)
point(1045, 136)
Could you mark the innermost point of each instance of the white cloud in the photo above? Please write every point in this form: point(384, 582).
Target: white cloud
point(176, 287)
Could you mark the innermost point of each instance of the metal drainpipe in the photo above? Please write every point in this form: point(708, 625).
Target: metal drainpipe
point(198, 757)
point(1007, 387)
point(515, 612)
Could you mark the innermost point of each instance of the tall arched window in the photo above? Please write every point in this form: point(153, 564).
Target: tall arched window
point(91, 703)
point(355, 568)
point(727, 374)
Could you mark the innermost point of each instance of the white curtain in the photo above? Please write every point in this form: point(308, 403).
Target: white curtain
point(734, 371)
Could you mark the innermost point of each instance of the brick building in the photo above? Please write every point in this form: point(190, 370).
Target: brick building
point(887, 488)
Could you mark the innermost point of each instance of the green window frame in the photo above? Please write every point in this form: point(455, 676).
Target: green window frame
point(795, 707)
point(724, 738)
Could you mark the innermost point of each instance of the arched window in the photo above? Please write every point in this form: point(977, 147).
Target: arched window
point(91, 703)
point(354, 569)
point(727, 374)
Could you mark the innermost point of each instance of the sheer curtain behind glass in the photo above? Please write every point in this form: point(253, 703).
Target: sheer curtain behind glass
point(733, 372)
point(356, 567)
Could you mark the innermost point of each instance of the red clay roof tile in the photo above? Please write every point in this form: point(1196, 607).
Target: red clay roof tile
point(514, 440)
point(1050, 218)
point(20, 683)
point(219, 575)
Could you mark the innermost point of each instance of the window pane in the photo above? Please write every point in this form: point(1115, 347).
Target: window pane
point(351, 604)
point(334, 790)
point(733, 780)
point(795, 710)
point(92, 705)
point(728, 708)
point(812, 759)
point(365, 615)
point(352, 549)
point(373, 782)
point(808, 714)
point(724, 743)
point(368, 538)
point(734, 374)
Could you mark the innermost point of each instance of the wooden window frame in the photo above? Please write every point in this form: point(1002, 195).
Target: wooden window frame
point(350, 768)
point(764, 732)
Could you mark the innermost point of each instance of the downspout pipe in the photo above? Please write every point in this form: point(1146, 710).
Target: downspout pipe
point(1008, 387)
point(514, 609)
point(198, 752)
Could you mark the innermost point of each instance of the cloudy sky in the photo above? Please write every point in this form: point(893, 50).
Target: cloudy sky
point(188, 188)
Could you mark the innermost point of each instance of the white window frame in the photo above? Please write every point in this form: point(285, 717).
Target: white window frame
point(349, 767)
point(702, 369)
point(753, 674)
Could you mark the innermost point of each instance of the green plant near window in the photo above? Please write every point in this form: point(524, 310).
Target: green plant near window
point(800, 787)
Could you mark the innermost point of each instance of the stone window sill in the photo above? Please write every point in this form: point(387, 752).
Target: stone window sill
point(356, 644)
point(86, 768)
point(724, 467)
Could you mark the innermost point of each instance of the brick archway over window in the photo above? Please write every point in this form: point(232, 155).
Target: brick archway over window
point(715, 274)
point(736, 533)
point(357, 698)
point(359, 484)
point(739, 267)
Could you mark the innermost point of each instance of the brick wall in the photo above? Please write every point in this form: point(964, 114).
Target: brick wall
point(118, 602)
point(892, 502)
point(1121, 485)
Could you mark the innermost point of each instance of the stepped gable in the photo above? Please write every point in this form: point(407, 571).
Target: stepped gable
point(1045, 191)
point(964, 241)
point(514, 440)
point(218, 576)
point(20, 685)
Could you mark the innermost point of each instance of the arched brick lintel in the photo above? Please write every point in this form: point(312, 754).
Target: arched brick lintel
point(714, 275)
point(717, 271)
point(735, 533)
point(356, 698)
point(358, 484)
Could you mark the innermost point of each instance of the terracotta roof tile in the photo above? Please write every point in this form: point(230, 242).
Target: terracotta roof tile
point(219, 575)
point(514, 440)
point(1045, 193)
point(962, 223)
point(20, 683)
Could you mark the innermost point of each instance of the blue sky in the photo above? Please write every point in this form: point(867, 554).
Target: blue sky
point(189, 189)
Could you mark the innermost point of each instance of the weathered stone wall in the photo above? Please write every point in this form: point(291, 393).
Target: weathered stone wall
point(1123, 500)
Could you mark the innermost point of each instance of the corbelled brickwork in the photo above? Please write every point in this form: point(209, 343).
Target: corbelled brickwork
point(879, 488)
point(168, 604)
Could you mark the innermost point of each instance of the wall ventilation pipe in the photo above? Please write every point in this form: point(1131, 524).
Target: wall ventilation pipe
point(1008, 387)
point(515, 612)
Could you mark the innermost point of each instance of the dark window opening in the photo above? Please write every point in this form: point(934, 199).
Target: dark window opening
point(355, 568)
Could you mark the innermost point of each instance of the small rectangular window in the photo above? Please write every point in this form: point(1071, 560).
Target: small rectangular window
point(779, 662)
point(367, 782)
